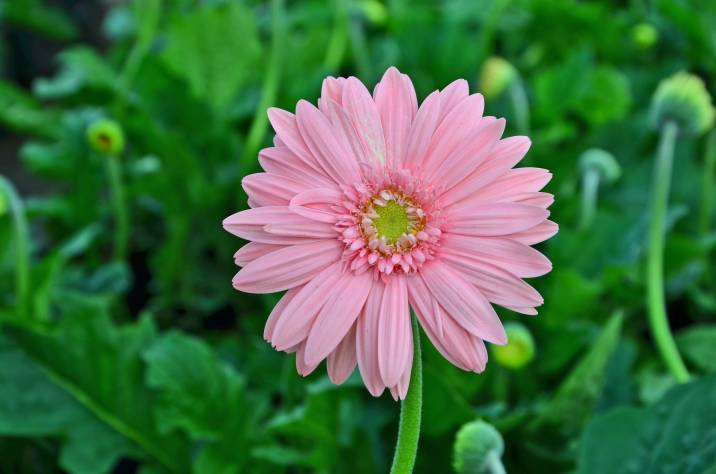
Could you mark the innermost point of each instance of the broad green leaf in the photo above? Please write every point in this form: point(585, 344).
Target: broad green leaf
point(215, 49)
point(36, 15)
point(574, 401)
point(80, 67)
point(99, 366)
point(21, 112)
point(202, 396)
point(33, 405)
point(675, 435)
point(698, 344)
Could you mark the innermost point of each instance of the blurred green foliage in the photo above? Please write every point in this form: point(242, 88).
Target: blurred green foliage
point(154, 364)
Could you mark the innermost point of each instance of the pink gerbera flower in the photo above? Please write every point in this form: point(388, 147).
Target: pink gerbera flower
point(369, 206)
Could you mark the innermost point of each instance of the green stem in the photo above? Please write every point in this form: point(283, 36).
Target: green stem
point(590, 188)
point(22, 247)
point(339, 37)
point(119, 206)
point(410, 412)
point(658, 318)
point(520, 105)
point(707, 188)
point(269, 90)
point(494, 464)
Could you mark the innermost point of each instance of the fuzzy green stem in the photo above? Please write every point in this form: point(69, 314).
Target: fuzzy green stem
point(494, 464)
point(22, 247)
point(406, 447)
point(707, 188)
point(520, 105)
point(590, 188)
point(119, 207)
point(269, 89)
point(658, 318)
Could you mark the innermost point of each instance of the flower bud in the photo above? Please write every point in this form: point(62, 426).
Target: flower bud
point(519, 350)
point(683, 99)
point(497, 74)
point(644, 35)
point(106, 137)
point(475, 444)
point(375, 12)
point(602, 161)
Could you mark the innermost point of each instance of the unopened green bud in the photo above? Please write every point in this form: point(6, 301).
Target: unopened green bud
point(478, 446)
point(106, 137)
point(684, 100)
point(519, 350)
point(602, 161)
point(496, 76)
point(375, 11)
point(644, 35)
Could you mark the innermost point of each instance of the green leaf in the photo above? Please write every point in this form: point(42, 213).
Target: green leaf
point(32, 404)
point(35, 15)
point(21, 112)
point(674, 435)
point(698, 344)
point(99, 366)
point(576, 397)
point(215, 50)
point(606, 96)
point(80, 67)
point(201, 396)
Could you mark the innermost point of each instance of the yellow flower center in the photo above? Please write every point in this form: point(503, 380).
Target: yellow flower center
point(392, 221)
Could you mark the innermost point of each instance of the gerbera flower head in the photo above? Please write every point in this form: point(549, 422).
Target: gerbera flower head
point(370, 205)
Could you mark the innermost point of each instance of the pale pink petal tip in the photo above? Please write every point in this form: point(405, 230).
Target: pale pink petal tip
point(372, 205)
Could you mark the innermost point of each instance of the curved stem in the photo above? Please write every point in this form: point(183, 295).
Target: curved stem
point(590, 188)
point(269, 89)
point(119, 206)
point(707, 188)
point(410, 413)
point(658, 318)
point(22, 247)
point(494, 464)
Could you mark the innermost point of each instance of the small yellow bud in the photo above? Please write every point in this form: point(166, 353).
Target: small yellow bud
point(683, 99)
point(106, 137)
point(519, 350)
point(496, 76)
point(644, 35)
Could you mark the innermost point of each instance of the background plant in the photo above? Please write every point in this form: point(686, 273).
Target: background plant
point(145, 360)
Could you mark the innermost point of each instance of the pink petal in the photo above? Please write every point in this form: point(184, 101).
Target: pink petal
point(495, 219)
point(519, 259)
point(512, 186)
point(342, 360)
point(475, 151)
point(503, 156)
point(296, 319)
point(252, 251)
point(367, 340)
point(251, 225)
point(316, 204)
point(395, 340)
point(400, 391)
point(277, 311)
point(453, 94)
point(361, 109)
point(328, 149)
point(287, 267)
point(539, 233)
point(282, 161)
point(337, 315)
point(422, 130)
point(498, 285)
point(287, 130)
point(331, 90)
point(301, 366)
point(455, 344)
point(271, 190)
point(453, 131)
point(463, 302)
point(396, 108)
point(343, 127)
